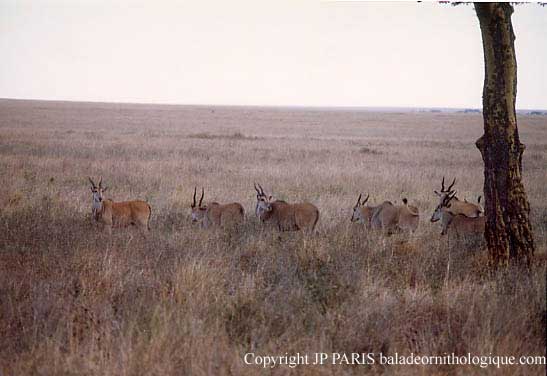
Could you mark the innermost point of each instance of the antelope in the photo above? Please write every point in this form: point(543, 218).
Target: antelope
point(457, 206)
point(215, 214)
point(118, 214)
point(390, 217)
point(457, 223)
point(287, 217)
point(362, 213)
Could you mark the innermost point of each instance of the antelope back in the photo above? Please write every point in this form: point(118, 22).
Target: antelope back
point(306, 216)
point(291, 217)
point(224, 215)
point(128, 212)
point(465, 208)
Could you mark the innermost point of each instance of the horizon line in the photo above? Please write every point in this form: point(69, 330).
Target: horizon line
point(295, 106)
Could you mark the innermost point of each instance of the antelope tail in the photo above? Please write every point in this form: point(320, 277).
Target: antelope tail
point(316, 220)
point(149, 215)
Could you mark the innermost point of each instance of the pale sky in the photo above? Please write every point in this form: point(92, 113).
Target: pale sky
point(298, 53)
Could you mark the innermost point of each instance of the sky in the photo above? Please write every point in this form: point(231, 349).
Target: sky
point(296, 53)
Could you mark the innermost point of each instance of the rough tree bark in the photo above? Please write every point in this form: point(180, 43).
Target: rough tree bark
point(508, 231)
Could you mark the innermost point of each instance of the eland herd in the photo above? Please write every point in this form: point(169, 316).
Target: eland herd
point(456, 216)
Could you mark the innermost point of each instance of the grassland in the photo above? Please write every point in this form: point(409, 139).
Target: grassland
point(191, 301)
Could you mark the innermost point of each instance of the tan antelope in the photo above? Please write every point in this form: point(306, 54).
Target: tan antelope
point(457, 206)
point(385, 217)
point(390, 218)
point(215, 214)
point(362, 213)
point(287, 217)
point(458, 224)
point(119, 214)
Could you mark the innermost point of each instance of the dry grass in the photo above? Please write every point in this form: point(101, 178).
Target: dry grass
point(189, 301)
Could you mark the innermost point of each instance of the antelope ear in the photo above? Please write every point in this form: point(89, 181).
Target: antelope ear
point(269, 198)
point(448, 205)
point(105, 188)
point(437, 193)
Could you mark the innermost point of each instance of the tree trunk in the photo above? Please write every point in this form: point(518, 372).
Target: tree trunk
point(508, 231)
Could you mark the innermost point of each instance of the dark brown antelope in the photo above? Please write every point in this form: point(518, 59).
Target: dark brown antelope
point(287, 217)
point(215, 214)
point(457, 206)
point(458, 224)
point(119, 214)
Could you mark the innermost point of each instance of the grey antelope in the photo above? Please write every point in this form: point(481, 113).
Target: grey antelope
point(456, 223)
point(119, 214)
point(362, 213)
point(215, 214)
point(391, 217)
point(457, 206)
point(287, 217)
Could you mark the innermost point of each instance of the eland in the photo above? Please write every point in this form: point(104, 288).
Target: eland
point(457, 206)
point(287, 217)
point(118, 214)
point(457, 223)
point(215, 214)
point(391, 218)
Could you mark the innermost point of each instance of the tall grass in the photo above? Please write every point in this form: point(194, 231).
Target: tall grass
point(191, 301)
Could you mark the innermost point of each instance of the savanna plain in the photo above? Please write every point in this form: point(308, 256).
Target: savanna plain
point(192, 301)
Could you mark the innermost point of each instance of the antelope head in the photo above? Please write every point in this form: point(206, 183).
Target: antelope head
point(198, 211)
point(445, 203)
point(97, 194)
point(263, 203)
point(357, 215)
